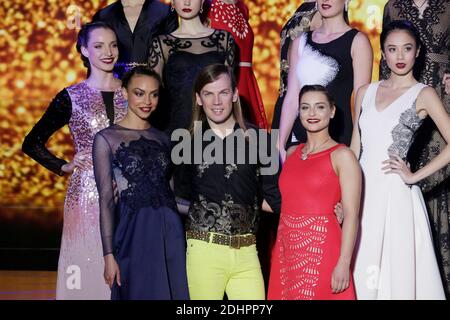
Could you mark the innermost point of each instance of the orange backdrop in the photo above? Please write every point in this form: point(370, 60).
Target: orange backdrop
point(38, 58)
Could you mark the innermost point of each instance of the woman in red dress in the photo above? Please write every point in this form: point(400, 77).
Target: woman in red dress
point(232, 16)
point(312, 255)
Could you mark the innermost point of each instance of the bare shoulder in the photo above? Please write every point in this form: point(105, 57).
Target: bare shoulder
point(427, 100)
point(427, 93)
point(360, 42)
point(361, 39)
point(362, 90)
point(426, 97)
point(343, 152)
point(343, 156)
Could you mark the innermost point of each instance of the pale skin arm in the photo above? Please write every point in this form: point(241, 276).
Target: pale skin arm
point(428, 103)
point(362, 55)
point(355, 145)
point(350, 179)
point(290, 103)
point(446, 82)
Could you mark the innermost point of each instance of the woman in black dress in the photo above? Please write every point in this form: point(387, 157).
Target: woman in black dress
point(334, 56)
point(178, 57)
point(136, 23)
point(304, 19)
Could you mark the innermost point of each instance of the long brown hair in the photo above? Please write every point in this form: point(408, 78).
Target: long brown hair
point(208, 75)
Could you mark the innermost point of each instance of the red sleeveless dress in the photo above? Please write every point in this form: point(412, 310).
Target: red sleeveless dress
point(309, 236)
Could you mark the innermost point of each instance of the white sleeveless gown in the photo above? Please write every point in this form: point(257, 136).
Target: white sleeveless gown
point(395, 257)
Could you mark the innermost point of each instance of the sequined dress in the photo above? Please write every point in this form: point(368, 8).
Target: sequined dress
point(80, 265)
point(143, 230)
point(309, 236)
point(395, 257)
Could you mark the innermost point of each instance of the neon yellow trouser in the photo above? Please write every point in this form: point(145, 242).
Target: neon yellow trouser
point(213, 269)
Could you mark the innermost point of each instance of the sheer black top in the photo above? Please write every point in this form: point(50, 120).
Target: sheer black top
point(179, 61)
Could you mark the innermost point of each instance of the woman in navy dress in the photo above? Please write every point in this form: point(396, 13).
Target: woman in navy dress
point(142, 234)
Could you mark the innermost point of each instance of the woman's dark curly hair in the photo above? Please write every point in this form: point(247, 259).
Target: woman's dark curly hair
point(140, 71)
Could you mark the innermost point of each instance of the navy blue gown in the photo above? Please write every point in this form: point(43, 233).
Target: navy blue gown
point(143, 230)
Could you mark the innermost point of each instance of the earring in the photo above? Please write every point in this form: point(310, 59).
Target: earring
point(172, 8)
point(201, 10)
point(346, 5)
point(316, 6)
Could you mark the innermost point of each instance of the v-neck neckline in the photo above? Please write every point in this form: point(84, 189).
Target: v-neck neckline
point(417, 10)
point(124, 16)
point(388, 106)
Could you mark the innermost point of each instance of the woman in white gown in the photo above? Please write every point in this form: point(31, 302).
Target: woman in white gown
point(395, 257)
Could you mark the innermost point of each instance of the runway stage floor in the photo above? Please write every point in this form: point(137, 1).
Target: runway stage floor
point(27, 285)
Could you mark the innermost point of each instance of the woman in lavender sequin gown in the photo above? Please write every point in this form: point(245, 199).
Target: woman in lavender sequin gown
point(87, 107)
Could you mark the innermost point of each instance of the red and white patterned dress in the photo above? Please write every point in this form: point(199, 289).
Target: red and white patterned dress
point(234, 19)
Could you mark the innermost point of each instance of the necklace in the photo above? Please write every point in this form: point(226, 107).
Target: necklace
point(306, 154)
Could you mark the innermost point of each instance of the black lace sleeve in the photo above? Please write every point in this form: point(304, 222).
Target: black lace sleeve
point(102, 158)
point(156, 58)
point(55, 117)
point(232, 58)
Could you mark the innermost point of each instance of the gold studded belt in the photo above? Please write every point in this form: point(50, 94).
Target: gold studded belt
point(235, 242)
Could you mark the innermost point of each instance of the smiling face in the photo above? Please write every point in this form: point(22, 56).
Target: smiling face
point(315, 111)
point(400, 51)
point(142, 94)
point(216, 99)
point(101, 50)
point(331, 8)
point(187, 9)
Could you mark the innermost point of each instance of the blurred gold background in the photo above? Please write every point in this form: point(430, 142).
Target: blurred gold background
point(38, 58)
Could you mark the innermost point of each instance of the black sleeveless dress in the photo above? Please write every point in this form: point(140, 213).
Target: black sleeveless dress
point(339, 81)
